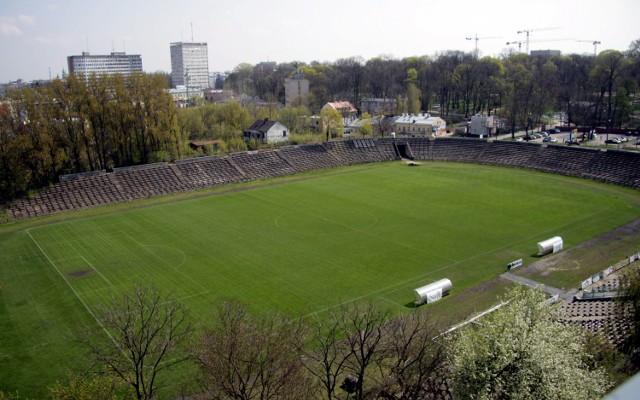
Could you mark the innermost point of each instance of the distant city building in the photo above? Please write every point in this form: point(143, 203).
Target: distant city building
point(295, 88)
point(216, 80)
point(183, 96)
point(376, 106)
point(266, 66)
point(218, 95)
point(190, 64)
point(114, 63)
point(545, 53)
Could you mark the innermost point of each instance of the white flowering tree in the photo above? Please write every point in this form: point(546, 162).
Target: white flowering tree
point(521, 352)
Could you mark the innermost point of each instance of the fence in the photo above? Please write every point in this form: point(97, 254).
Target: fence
point(604, 273)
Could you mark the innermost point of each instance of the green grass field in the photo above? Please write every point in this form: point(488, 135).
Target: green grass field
point(300, 246)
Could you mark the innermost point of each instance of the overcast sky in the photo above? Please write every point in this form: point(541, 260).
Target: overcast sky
point(37, 36)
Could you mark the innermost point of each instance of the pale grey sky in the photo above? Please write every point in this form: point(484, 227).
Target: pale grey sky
point(37, 36)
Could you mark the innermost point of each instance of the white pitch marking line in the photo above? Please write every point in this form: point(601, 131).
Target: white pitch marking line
point(70, 286)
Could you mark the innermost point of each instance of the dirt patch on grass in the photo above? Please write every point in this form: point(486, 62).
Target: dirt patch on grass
point(569, 267)
point(565, 269)
point(79, 274)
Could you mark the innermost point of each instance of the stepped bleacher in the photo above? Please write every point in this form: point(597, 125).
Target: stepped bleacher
point(310, 157)
point(387, 149)
point(597, 316)
point(420, 148)
point(564, 160)
point(149, 181)
point(91, 189)
point(509, 154)
point(208, 171)
point(355, 151)
point(261, 164)
point(457, 149)
point(617, 166)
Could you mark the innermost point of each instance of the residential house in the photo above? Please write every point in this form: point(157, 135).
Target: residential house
point(483, 126)
point(421, 125)
point(346, 110)
point(267, 131)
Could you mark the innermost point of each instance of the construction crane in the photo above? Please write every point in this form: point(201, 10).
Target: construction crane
point(518, 42)
point(595, 44)
point(476, 38)
point(528, 31)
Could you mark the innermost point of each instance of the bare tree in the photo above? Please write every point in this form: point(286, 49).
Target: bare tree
point(245, 356)
point(363, 326)
point(325, 354)
point(382, 123)
point(142, 335)
point(415, 365)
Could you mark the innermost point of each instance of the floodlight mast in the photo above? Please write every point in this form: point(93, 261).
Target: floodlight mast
point(528, 31)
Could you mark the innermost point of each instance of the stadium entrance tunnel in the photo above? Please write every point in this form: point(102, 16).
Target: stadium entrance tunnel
point(403, 150)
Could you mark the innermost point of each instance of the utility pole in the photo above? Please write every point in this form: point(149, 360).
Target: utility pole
point(528, 31)
point(186, 81)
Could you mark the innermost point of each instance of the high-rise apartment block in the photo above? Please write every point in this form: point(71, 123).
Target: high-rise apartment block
point(114, 63)
point(296, 88)
point(190, 64)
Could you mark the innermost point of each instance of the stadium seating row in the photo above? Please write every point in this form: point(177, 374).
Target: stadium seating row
point(599, 317)
point(123, 184)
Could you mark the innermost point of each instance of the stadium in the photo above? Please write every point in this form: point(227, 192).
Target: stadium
point(300, 229)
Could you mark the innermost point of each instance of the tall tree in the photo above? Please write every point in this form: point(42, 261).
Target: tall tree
point(365, 336)
point(324, 355)
point(521, 352)
point(610, 65)
point(415, 361)
point(519, 87)
point(628, 309)
point(141, 335)
point(245, 356)
point(331, 122)
point(413, 93)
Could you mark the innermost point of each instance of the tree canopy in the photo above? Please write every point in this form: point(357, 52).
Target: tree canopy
point(522, 352)
point(103, 122)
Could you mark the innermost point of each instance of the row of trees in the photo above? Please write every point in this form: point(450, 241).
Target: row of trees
point(102, 122)
point(357, 351)
point(82, 125)
point(590, 90)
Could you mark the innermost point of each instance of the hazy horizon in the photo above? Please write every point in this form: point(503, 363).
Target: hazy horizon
point(37, 36)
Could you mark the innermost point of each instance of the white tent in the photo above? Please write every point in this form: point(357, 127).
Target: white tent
point(550, 245)
point(433, 291)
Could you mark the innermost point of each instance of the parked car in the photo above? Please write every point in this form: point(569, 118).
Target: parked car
point(546, 139)
point(612, 141)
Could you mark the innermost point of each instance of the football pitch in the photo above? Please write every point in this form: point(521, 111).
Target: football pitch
point(299, 246)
